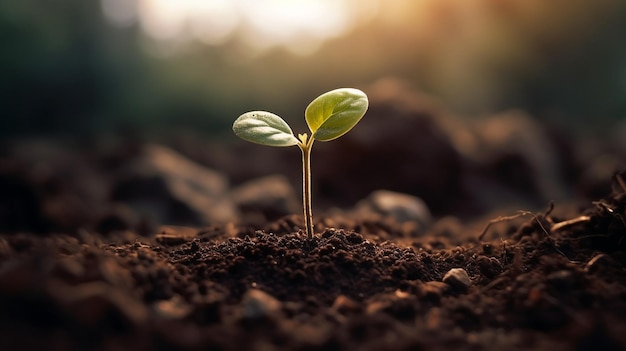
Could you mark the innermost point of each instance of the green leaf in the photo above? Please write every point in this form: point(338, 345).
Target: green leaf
point(334, 113)
point(264, 128)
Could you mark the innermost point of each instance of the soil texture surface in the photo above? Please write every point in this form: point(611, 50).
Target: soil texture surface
point(530, 281)
point(432, 232)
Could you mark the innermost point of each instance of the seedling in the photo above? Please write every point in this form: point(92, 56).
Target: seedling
point(329, 116)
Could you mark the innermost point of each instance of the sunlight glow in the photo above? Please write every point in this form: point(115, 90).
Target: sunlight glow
point(299, 25)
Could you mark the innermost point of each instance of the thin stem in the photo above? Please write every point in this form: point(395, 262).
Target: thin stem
point(306, 185)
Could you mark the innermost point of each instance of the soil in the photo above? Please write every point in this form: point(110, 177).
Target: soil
point(537, 283)
point(516, 242)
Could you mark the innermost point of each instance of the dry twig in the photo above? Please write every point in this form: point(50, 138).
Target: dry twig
point(558, 226)
point(519, 214)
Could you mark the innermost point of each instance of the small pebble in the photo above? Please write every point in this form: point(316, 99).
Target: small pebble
point(258, 304)
point(402, 207)
point(272, 196)
point(457, 278)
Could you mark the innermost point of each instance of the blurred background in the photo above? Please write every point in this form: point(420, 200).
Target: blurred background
point(75, 67)
point(117, 113)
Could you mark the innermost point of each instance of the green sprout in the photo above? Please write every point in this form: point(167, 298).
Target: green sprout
point(329, 116)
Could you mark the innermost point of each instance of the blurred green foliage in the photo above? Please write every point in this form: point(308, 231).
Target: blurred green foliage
point(65, 70)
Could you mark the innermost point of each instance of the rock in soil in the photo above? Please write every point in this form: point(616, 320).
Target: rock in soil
point(401, 207)
point(457, 278)
point(266, 199)
point(160, 183)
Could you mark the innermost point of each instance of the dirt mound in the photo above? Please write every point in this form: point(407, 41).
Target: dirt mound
point(546, 282)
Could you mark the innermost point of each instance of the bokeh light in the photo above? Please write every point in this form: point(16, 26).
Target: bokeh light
point(300, 26)
point(196, 63)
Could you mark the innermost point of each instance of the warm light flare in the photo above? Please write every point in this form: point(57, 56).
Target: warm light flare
point(474, 54)
point(299, 25)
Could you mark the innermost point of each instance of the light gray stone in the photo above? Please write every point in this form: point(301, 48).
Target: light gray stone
point(457, 278)
point(402, 207)
point(259, 304)
point(172, 189)
point(272, 196)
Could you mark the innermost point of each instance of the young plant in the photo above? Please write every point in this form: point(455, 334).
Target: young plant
point(329, 116)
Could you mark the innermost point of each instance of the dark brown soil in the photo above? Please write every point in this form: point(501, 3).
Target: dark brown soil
point(535, 285)
point(192, 243)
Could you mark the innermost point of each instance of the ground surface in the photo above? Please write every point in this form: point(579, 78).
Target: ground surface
point(535, 285)
point(192, 243)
